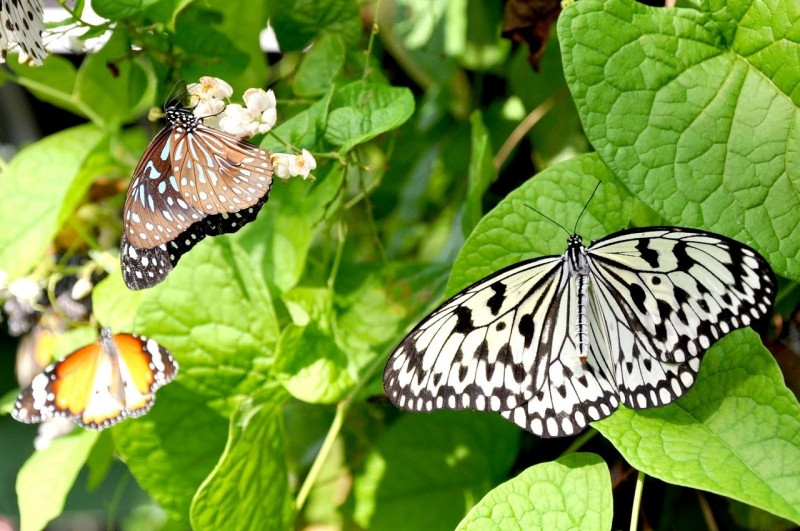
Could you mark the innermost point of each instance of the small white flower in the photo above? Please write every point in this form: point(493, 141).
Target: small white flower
point(258, 100)
point(207, 108)
point(303, 164)
point(262, 106)
point(25, 290)
point(81, 288)
point(285, 165)
point(280, 164)
point(209, 88)
point(51, 430)
point(238, 121)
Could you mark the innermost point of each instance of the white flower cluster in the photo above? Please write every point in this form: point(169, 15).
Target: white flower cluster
point(258, 116)
point(285, 165)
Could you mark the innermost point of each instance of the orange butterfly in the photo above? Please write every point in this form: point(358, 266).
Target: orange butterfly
point(100, 384)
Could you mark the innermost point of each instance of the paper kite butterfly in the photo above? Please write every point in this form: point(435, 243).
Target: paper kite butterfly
point(556, 342)
point(192, 181)
point(21, 26)
point(100, 384)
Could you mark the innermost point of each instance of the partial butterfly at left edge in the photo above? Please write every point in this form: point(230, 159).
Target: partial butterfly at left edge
point(192, 181)
point(99, 384)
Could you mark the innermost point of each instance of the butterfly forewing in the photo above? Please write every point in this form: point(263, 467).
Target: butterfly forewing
point(657, 299)
point(447, 360)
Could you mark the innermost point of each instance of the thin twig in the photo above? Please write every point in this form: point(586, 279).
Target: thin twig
point(637, 500)
point(708, 514)
point(524, 126)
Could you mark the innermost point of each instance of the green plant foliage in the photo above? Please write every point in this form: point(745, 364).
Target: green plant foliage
point(571, 492)
point(252, 457)
point(414, 481)
point(40, 188)
point(441, 157)
point(700, 120)
point(716, 437)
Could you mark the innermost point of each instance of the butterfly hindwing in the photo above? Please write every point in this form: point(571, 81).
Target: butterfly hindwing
point(672, 293)
point(143, 268)
point(625, 320)
point(100, 384)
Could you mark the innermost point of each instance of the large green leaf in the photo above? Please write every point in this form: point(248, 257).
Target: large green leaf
point(320, 66)
point(736, 432)
point(254, 458)
point(512, 231)
point(429, 469)
point(696, 112)
point(215, 314)
point(47, 476)
point(172, 449)
point(40, 188)
point(571, 492)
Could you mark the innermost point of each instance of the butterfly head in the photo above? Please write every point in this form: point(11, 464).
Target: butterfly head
point(181, 117)
point(575, 241)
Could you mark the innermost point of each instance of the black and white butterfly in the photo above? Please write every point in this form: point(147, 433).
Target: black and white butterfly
point(556, 342)
point(192, 181)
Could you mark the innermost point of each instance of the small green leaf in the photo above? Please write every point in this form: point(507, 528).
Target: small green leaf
point(47, 476)
point(481, 173)
point(254, 457)
point(430, 468)
point(311, 366)
point(113, 304)
point(211, 52)
point(215, 314)
point(512, 232)
point(703, 129)
point(120, 9)
point(40, 189)
point(298, 22)
point(172, 449)
point(279, 240)
point(320, 66)
point(303, 130)
point(111, 88)
point(736, 432)
point(362, 110)
point(52, 82)
point(572, 492)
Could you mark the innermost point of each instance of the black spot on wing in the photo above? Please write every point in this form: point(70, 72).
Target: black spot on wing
point(495, 302)
point(464, 324)
point(638, 297)
point(526, 329)
point(648, 255)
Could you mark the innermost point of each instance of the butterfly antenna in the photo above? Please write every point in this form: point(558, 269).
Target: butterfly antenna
point(551, 220)
point(175, 94)
point(575, 231)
